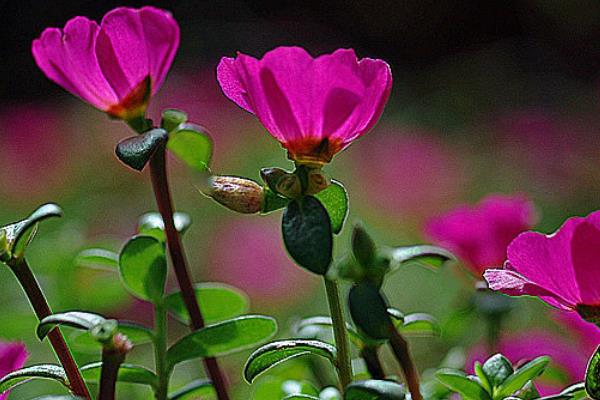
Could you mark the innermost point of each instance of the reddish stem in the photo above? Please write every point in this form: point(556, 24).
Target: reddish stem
point(162, 193)
point(39, 304)
point(400, 349)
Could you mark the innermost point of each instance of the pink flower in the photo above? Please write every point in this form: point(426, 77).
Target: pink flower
point(480, 234)
point(12, 357)
point(315, 107)
point(115, 66)
point(586, 334)
point(563, 269)
point(566, 359)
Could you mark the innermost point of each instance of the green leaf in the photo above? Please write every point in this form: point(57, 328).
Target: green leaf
point(592, 375)
point(521, 376)
point(320, 326)
point(152, 224)
point(274, 353)
point(458, 382)
point(483, 379)
point(137, 334)
point(23, 375)
point(575, 392)
point(335, 200)
point(59, 397)
point(76, 319)
point(299, 397)
point(497, 369)
point(363, 246)
point(330, 393)
point(172, 118)
point(425, 255)
point(417, 324)
point(307, 234)
point(199, 389)
point(17, 236)
point(192, 145)
point(369, 311)
point(136, 151)
point(223, 338)
point(98, 259)
point(128, 373)
point(374, 389)
point(143, 267)
point(217, 301)
point(272, 201)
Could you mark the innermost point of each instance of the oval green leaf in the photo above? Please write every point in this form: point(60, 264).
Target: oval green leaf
point(143, 267)
point(307, 234)
point(200, 389)
point(75, 319)
point(424, 255)
point(592, 375)
point(192, 145)
point(98, 259)
point(300, 397)
point(521, 376)
point(457, 381)
point(217, 301)
point(23, 375)
point(152, 224)
point(137, 334)
point(374, 389)
point(417, 325)
point(335, 200)
point(321, 326)
point(136, 151)
point(369, 311)
point(223, 338)
point(274, 353)
point(128, 373)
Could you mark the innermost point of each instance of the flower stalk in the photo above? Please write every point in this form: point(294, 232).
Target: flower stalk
point(162, 194)
point(372, 361)
point(38, 302)
point(400, 349)
point(113, 355)
point(339, 332)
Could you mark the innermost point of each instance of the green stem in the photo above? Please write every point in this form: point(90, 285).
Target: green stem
point(41, 308)
point(160, 351)
point(339, 333)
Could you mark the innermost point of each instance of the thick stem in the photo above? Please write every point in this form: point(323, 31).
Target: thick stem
point(39, 304)
point(400, 348)
point(160, 351)
point(369, 354)
point(111, 362)
point(339, 333)
point(162, 193)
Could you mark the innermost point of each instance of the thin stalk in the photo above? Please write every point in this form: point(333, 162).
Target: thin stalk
point(160, 351)
point(339, 333)
point(111, 362)
point(162, 193)
point(41, 308)
point(369, 354)
point(400, 349)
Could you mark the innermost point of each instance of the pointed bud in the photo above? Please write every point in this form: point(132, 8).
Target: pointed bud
point(289, 186)
point(238, 194)
point(363, 246)
point(316, 181)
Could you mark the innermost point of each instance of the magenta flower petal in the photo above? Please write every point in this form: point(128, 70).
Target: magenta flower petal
point(314, 106)
point(12, 357)
point(565, 264)
point(480, 234)
point(114, 66)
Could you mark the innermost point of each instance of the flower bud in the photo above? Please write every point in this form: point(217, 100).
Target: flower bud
point(316, 181)
point(238, 194)
point(289, 186)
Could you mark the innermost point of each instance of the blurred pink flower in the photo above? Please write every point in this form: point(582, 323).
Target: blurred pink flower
point(480, 234)
point(526, 346)
point(315, 107)
point(248, 254)
point(586, 334)
point(115, 66)
point(563, 269)
point(34, 150)
point(407, 172)
point(12, 357)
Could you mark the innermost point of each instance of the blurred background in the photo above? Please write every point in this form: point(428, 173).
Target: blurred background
point(488, 97)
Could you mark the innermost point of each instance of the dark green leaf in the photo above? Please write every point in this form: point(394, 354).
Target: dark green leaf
point(425, 255)
point(272, 201)
point(98, 259)
point(192, 145)
point(172, 118)
point(369, 311)
point(23, 375)
point(497, 368)
point(335, 200)
point(363, 246)
point(592, 375)
point(274, 353)
point(307, 234)
point(128, 373)
point(136, 151)
point(143, 267)
point(458, 382)
point(217, 301)
point(15, 237)
point(521, 376)
point(200, 389)
point(76, 319)
point(374, 389)
point(223, 338)
point(152, 224)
